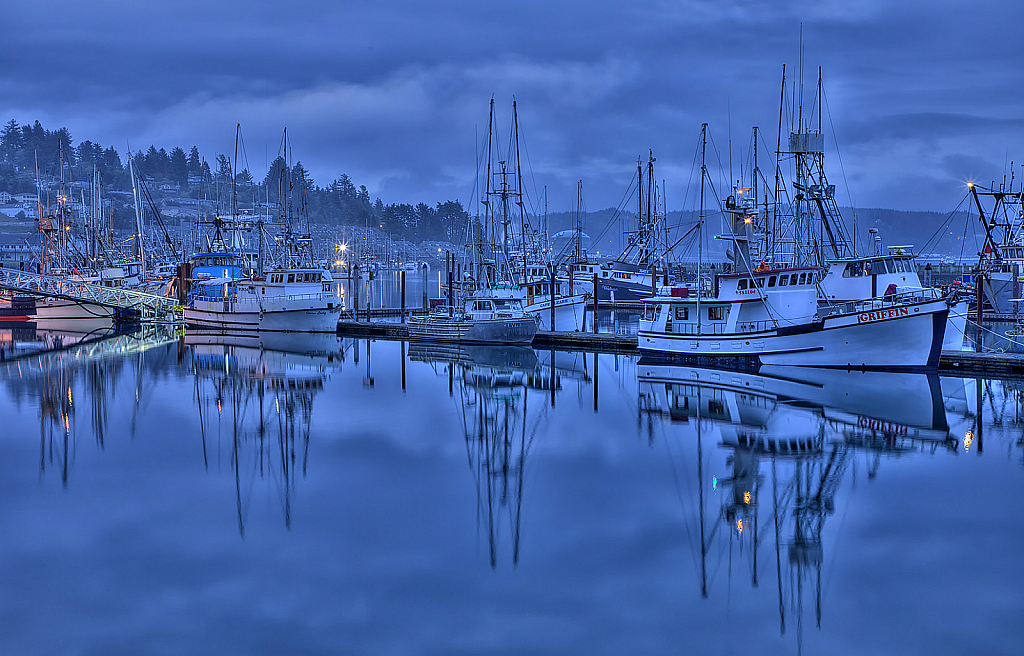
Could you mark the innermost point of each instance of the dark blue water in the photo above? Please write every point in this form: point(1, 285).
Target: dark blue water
point(285, 495)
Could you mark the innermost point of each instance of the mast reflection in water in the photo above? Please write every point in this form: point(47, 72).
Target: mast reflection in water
point(288, 494)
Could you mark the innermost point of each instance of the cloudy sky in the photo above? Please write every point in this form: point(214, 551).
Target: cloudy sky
point(921, 95)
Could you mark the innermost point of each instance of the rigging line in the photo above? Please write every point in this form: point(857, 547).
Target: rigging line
point(839, 156)
point(942, 226)
point(627, 196)
point(533, 178)
point(687, 524)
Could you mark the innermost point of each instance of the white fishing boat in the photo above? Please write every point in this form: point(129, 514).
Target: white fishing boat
point(299, 300)
point(772, 315)
point(760, 317)
point(492, 314)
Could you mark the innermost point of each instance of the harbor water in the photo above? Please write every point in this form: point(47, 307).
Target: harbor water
point(177, 492)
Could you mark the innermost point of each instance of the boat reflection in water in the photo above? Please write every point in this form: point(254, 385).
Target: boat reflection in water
point(490, 386)
point(773, 448)
point(259, 390)
point(65, 372)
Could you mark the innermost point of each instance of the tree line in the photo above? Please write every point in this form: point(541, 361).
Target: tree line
point(29, 152)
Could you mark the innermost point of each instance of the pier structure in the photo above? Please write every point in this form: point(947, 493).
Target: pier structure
point(133, 306)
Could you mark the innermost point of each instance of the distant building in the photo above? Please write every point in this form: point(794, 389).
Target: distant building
point(5, 198)
point(170, 187)
point(15, 251)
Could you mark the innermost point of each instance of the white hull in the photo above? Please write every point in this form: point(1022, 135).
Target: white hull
point(956, 327)
point(998, 291)
point(308, 320)
point(50, 309)
point(569, 312)
point(893, 340)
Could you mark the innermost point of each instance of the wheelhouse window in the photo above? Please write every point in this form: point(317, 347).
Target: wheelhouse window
point(714, 313)
point(802, 279)
point(682, 313)
point(742, 284)
point(771, 281)
point(759, 282)
point(291, 277)
point(783, 281)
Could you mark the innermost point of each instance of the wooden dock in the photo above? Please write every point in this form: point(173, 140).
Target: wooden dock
point(953, 363)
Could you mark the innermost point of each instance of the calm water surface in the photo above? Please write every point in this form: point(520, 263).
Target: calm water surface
point(278, 494)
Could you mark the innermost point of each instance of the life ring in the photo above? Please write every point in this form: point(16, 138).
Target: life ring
point(764, 266)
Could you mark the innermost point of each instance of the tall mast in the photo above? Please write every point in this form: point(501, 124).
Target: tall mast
point(234, 173)
point(700, 218)
point(138, 210)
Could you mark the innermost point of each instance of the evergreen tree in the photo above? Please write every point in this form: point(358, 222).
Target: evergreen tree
point(178, 166)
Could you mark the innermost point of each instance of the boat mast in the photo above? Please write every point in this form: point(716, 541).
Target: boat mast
point(700, 217)
point(138, 210)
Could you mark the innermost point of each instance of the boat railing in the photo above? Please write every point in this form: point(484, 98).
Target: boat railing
point(889, 301)
point(257, 303)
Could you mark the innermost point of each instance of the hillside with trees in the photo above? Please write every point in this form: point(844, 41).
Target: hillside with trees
point(31, 152)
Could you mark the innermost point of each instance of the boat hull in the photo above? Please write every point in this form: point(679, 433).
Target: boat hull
point(312, 320)
point(569, 313)
point(496, 331)
point(909, 337)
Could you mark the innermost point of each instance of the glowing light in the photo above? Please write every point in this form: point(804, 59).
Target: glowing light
point(739, 525)
point(746, 498)
point(714, 482)
point(746, 220)
point(968, 439)
point(970, 185)
point(70, 402)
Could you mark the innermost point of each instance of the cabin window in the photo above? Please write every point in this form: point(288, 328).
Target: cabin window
point(783, 281)
point(483, 306)
point(771, 281)
point(291, 277)
point(714, 314)
point(803, 278)
point(682, 313)
point(759, 282)
point(742, 284)
point(891, 266)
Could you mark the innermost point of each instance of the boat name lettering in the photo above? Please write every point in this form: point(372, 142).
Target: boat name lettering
point(882, 426)
point(878, 315)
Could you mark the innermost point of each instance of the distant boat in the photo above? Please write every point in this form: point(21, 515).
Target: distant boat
point(493, 314)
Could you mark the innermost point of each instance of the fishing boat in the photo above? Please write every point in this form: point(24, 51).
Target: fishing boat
point(492, 314)
point(633, 275)
point(772, 315)
point(1001, 261)
point(295, 299)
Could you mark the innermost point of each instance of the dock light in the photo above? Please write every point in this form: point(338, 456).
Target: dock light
point(970, 185)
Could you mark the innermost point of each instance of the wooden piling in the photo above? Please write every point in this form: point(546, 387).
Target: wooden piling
point(402, 277)
point(551, 296)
